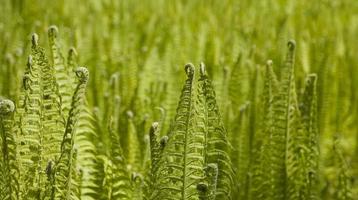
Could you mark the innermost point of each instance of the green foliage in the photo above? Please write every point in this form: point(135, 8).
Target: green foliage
point(121, 129)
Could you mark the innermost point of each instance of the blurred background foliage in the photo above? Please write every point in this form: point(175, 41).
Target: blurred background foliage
point(145, 44)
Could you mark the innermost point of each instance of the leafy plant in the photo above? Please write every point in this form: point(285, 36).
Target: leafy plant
point(120, 128)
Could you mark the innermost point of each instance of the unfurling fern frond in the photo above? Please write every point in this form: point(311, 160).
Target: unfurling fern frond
point(182, 162)
point(308, 109)
point(284, 114)
point(156, 151)
point(66, 174)
point(181, 167)
point(195, 162)
point(302, 163)
point(9, 172)
point(39, 122)
point(216, 141)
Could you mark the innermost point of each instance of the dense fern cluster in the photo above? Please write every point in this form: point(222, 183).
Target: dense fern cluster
point(139, 123)
point(55, 147)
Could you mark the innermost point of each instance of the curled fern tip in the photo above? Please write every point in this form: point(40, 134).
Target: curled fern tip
point(291, 45)
point(82, 73)
point(189, 69)
point(53, 31)
point(6, 107)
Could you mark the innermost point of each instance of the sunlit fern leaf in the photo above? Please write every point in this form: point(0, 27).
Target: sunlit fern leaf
point(39, 122)
point(66, 174)
point(343, 189)
point(284, 111)
point(63, 79)
point(261, 172)
point(181, 166)
point(9, 173)
point(216, 145)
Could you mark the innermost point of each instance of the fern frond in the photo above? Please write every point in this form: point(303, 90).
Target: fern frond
point(9, 173)
point(66, 175)
point(261, 172)
point(39, 121)
point(181, 167)
point(284, 111)
point(216, 141)
point(63, 79)
point(308, 109)
point(302, 159)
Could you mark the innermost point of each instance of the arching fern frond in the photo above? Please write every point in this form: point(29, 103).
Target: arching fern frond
point(66, 174)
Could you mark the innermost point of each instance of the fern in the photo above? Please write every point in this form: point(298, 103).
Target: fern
point(261, 171)
point(309, 122)
point(282, 127)
point(216, 141)
point(39, 120)
point(62, 72)
point(9, 184)
point(66, 173)
point(302, 163)
point(182, 162)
